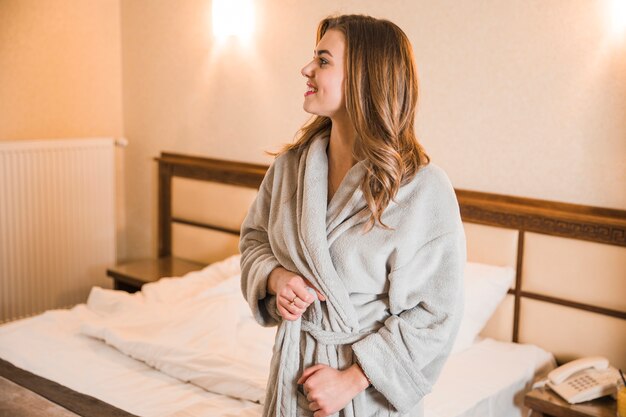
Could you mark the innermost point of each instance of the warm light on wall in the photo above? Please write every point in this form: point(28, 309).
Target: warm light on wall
point(233, 18)
point(618, 17)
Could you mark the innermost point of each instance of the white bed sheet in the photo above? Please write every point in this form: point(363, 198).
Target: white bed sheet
point(480, 381)
point(50, 345)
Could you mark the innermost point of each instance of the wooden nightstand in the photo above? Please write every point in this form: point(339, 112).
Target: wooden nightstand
point(130, 276)
point(545, 403)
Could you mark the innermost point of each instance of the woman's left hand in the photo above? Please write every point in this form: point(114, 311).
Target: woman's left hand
point(329, 390)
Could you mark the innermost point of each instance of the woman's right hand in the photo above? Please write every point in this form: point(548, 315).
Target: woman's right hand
point(292, 294)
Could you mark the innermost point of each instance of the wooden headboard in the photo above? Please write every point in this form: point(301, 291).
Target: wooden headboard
point(562, 301)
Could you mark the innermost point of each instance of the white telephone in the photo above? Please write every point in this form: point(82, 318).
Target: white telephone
point(584, 379)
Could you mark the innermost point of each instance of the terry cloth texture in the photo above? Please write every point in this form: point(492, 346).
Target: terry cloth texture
point(394, 297)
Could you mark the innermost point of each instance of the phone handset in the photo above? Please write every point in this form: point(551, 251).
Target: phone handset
point(583, 379)
point(561, 373)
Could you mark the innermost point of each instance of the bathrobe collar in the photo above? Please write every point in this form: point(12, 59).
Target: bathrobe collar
point(319, 224)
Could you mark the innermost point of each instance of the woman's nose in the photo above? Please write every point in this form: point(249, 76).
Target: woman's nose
point(306, 70)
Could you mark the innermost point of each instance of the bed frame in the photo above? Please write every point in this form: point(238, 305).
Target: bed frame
point(538, 238)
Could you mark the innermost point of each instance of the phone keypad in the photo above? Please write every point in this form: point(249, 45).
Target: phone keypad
point(582, 382)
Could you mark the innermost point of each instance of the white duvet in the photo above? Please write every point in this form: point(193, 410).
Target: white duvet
point(198, 329)
point(486, 380)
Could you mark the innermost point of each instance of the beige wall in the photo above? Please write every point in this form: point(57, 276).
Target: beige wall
point(60, 69)
point(61, 74)
point(519, 97)
point(526, 98)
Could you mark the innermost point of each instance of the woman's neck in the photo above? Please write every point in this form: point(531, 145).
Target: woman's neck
point(341, 145)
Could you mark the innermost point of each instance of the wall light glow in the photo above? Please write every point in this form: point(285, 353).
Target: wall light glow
point(618, 17)
point(233, 18)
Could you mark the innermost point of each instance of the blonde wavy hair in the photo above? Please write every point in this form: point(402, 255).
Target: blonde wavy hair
point(381, 99)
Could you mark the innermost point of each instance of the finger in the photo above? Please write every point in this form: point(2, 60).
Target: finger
point(288, 294)
point(320, 296)
point(296, 302)
point(287, 315)
point(303, 294)
point(291, 308)
point(287, 301)
point(290, 317)
point(294, 310)
point(314, 406)
point(320, 414)
point(296, 287)
point(303, 305)
point(308, 372)
point(310, 298)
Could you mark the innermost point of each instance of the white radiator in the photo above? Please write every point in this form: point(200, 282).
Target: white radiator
point(57, 222)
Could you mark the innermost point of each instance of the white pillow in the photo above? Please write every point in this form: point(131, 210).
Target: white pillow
point(485, 288)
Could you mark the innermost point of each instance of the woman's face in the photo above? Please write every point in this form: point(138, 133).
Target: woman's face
point(325, 73)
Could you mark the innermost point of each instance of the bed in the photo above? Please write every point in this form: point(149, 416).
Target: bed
point(62, 354)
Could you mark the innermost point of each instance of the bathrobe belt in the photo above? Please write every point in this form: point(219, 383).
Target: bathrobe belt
point(323, 337)
point(326, 337)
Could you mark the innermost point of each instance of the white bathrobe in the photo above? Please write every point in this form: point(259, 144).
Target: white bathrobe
point(394, 297)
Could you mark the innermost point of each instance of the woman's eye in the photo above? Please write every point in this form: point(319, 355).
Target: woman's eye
point(323, 62)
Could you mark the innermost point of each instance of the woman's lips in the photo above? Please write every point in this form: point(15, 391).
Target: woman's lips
point(311, 89)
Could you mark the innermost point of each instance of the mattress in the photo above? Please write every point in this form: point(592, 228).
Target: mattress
point(488, 379)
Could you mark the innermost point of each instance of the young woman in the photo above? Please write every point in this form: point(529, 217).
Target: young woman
point(354, 246)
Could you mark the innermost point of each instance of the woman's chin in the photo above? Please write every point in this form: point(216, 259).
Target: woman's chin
point(310, 109)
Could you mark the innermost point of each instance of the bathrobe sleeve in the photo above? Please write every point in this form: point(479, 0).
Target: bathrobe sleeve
point(257, 258)
point(404, 357)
